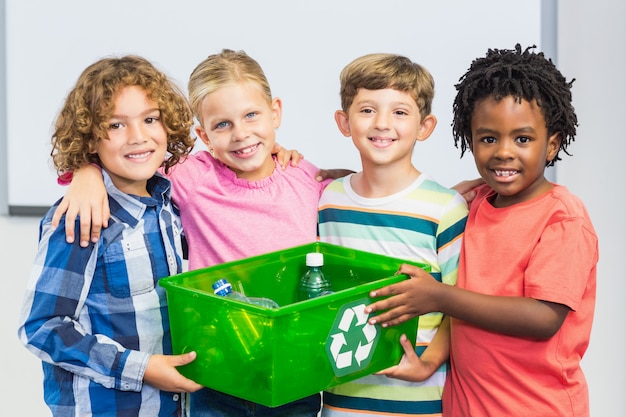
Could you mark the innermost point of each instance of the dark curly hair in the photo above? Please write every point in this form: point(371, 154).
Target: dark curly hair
point(83, 120)
point(524, 75)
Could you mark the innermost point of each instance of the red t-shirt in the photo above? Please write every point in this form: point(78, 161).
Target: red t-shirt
point(545, 249)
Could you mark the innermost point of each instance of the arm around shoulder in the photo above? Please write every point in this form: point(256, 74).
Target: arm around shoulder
point(86, 198)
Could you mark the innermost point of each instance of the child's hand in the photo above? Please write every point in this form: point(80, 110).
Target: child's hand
point(325, 174)
point(409, 298)
point(411, 367)
point(86, 197)
point(162, 374)
point(466, 188)
point(285, 156)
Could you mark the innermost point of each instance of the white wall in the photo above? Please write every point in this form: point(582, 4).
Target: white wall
point(301, 46)
point(592, 49)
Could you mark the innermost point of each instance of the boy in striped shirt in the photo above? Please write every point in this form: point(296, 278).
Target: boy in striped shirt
point(392, 208)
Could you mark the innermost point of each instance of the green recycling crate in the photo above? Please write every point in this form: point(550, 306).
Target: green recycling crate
point(275, 356)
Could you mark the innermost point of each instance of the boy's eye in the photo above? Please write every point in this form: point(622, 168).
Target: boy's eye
point(151, 120)
point(114, 126)
point(401, 112)
point(367, 111)
point(488, 139)
point(523, 139)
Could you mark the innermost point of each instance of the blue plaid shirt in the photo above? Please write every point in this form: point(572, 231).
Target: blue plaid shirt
point(95, 315)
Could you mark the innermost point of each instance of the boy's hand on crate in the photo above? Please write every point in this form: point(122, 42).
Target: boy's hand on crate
point(161, 373)
point(407, 299)
point(411, 367)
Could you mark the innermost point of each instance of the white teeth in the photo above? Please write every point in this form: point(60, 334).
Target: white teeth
point(138, 156)
point(246, 150)
point(500, 173)
point(381, 140)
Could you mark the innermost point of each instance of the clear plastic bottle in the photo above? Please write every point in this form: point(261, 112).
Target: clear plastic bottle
point(224, 288)
point(313, 283)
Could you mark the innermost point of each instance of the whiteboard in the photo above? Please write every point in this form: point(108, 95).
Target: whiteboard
point(302, 47)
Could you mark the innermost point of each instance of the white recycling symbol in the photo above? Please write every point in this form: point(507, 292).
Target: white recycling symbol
point(363, 350)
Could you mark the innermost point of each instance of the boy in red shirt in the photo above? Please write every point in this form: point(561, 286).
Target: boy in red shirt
point(522, 310)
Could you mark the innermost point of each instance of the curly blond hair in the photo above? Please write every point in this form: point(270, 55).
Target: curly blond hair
point(83, 120)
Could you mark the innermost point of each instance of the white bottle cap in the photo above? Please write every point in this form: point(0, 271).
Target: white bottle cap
point(314, 259)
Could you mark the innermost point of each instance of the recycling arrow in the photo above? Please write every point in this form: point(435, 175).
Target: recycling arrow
point(352, 339)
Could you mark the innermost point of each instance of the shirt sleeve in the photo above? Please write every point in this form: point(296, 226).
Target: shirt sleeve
point(561, 263)
point(53, 322)
point(450, 238)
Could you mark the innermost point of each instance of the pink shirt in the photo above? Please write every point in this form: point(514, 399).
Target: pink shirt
point(544, 249)
point(226, 218)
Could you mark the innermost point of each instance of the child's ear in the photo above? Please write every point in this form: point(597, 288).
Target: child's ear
point(554, 144)
point(342, 123)
point(426, 127)
point(201, 133)
point(277, 111)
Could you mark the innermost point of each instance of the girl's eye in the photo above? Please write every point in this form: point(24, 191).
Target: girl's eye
point(251, 115)
point(523, 139)
point(221, 125)
point(114, 126)
point(488, 139)
point(151, 120)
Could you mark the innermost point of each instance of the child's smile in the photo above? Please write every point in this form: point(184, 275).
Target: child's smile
point(137, 141)
point(384, 125)
point(238, 126)
point(248, 151)
point(511, 146)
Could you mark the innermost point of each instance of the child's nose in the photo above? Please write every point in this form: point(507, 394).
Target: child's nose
point(504, 150)
point(240, 132)
point(382, 120)
point(137, 133)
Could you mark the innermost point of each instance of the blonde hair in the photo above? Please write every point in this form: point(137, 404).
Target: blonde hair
point(224, 68)
point(379, 71)
point(83, 120)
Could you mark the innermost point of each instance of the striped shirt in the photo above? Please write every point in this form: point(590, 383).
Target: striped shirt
point(422, 223)
point(95, 315)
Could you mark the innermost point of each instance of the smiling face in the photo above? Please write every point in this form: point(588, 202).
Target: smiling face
point(384, 125)
point(238, 126)
point(511, 146)
point(136, 143)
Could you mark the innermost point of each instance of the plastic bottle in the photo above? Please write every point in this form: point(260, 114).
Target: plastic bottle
point(243, 330)
point(313, 283)
point(224, 288)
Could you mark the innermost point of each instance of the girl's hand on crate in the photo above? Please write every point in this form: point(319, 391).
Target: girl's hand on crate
point(161, 373)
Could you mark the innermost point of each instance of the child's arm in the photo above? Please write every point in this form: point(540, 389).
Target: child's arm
point(86, 196)
point(466, 188)
point(416, 369)
point(293, 157)
point(514, 316)
point(162, 374)
point(50, 328)
point(325, 174)
point(286, 156)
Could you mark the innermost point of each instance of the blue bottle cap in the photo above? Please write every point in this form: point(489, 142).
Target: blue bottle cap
point(222, 287)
